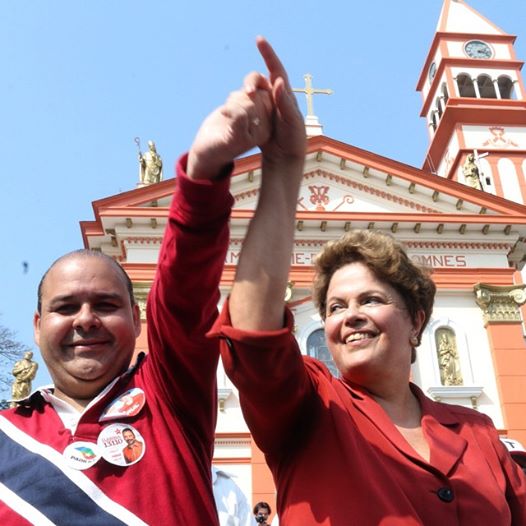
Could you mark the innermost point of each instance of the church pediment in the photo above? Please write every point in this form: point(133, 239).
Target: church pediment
point(342, 178)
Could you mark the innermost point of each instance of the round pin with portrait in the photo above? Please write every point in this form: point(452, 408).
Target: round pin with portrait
point(121, 444)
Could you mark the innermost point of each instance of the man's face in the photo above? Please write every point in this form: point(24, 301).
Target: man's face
point(88, 326)
point(129, 437)
point(262, 516)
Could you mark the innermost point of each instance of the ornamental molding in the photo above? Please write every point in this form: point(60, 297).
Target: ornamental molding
point(246, 195)
point(445, 393)
point(310, 243)
point(498, 247)
point(458, 246)
point(316, 243)
point(500, 304)
point(143, 240)
point(236, 442)
point(232, 443)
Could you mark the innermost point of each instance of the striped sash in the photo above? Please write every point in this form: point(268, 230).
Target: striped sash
point(36, 483)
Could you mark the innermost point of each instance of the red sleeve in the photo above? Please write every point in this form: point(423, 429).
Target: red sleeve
point(182, 304)
point(268, 369)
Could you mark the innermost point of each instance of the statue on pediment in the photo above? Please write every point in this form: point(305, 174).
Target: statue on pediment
point(150, 165)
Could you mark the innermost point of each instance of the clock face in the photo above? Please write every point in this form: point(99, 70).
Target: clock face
point(432, 71)
point(478, 49)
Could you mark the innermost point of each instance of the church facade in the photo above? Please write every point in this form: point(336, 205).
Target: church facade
point(463, 213)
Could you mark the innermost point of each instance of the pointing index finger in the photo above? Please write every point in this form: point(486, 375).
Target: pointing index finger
point(272, 61)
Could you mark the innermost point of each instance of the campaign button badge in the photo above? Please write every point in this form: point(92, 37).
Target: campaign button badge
point(121, 444)
point(81, 455)
point(125, 405)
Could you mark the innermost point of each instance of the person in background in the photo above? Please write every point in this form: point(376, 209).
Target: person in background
point(231, 503)
point(262, 513)
point(517, 451)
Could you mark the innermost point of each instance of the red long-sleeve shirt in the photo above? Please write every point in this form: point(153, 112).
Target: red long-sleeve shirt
point(337, 458)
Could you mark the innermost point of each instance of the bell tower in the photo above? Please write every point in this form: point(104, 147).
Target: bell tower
point(474, 102)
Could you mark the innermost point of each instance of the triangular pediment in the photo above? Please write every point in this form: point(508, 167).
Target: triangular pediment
point(459, 17)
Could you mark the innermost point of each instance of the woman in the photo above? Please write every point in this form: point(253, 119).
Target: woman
point(369, 448)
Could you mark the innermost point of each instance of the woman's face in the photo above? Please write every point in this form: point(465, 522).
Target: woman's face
point(367, 327)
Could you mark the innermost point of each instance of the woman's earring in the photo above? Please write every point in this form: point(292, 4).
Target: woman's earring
point(413, 340)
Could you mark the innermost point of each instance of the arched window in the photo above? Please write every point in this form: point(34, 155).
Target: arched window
point(448, 358)
point(486, 87)
point(465, 86)
point(317, 348)
point(506, 88)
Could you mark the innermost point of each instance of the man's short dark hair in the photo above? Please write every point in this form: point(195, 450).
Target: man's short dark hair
point(86, 252)
point(260, 505)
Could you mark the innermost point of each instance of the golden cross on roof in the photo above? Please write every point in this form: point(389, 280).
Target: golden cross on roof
point(310, 91)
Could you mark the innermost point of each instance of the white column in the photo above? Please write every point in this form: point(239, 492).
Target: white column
point(476, 86)
point(496, 86)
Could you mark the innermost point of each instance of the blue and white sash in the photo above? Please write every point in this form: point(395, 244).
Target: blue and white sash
point(36, 483)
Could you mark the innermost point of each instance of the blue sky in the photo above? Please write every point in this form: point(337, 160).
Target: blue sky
point(82, 78)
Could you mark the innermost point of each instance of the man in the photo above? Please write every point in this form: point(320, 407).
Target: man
point(132, 452)
point(262, 513)
point(61, 455)
point(231, 503)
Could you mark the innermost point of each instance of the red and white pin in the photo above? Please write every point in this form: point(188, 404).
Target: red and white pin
point(127, 404)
